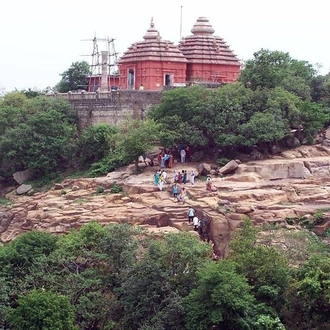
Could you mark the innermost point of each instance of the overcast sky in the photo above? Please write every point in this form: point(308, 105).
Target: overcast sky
point(41, 38)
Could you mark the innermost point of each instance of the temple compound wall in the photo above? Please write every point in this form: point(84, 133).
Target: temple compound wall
point(110, 107)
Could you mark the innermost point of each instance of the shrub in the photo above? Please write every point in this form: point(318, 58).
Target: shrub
point(222, 161)
point(42, 310)
point(116, 189)
point(100, 190)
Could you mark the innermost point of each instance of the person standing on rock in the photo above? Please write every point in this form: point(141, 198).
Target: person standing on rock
point(209, 183)
point(182, 196)
point(156, 178)
point(164, 176)
point(183, 155)
point(170, 161)
point(191, 214)
point(184, 176)
point(192, 177)
point(179, 177)
point(196, 223)
point(161, 183)
point(175, 176)
point(175, 191)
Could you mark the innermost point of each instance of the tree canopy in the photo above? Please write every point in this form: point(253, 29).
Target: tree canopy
point(270, 69)
point(76, 77)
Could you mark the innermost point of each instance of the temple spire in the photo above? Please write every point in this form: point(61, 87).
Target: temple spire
point(152, 33)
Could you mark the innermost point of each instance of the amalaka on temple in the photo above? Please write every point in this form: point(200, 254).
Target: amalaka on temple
point(154, 64)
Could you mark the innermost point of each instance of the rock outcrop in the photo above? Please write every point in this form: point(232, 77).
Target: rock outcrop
point(292, 185)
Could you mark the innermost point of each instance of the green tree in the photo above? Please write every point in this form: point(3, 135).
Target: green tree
point(314, 117)
point(76, 77)
point(137, 137)
point(166, 273)
point(31, 93)
point(221, 300)
point(270, 69)
point(43, 143)
point(96, 142)
point(20, 254)
point(13, 99)
point(265, 267)
point(42, 310)
point(203, 117)
point(263, 128)
point(308, 304)
point(45, 104)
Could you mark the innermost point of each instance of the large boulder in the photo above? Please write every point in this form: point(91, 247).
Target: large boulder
point(23, 189)
point(219, 233)
point(204, 169)
point(229, 167)
point(21, 176)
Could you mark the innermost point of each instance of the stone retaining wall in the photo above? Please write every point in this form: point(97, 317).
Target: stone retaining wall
point(110, 107)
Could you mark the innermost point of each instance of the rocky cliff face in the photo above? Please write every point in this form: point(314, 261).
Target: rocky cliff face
point(291, 187)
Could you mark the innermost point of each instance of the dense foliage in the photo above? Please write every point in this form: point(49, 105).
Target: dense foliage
point(74, 78)
point(118, 277)
point(37, 134)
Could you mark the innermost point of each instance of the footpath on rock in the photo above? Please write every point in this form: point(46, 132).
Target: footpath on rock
point(291, 186)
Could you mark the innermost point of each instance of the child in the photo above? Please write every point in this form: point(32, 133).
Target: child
point(175, 190)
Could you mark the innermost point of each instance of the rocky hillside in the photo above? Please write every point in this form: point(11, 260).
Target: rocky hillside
point(292, 189)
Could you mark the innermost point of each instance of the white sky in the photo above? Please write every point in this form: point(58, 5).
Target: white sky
point(40, 39)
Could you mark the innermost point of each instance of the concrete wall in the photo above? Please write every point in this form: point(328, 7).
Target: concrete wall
point(110, 107)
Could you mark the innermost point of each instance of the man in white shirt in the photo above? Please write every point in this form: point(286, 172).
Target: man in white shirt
point(195, 223)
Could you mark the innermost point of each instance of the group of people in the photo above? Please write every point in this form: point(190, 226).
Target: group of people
point(199, 225)
point(160, 177)
point(182, 177)
point(179, 195)
point(165, 159)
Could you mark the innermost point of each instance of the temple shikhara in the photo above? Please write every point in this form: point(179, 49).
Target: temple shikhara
point(154, 64)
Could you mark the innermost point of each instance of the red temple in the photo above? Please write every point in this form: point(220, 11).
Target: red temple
point(154, 63)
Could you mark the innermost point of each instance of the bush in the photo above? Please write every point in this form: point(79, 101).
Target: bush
point(42, 310)
point(100, 190)
point(116, 189)
point(107, 164)
point(222, 161)
point(96, 142)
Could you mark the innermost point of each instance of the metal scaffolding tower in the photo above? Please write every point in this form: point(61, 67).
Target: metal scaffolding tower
point(101, 45)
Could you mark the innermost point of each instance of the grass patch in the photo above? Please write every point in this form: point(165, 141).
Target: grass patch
point(201, 178)
point(78, 174)
point(46, 182)
point(5, 202)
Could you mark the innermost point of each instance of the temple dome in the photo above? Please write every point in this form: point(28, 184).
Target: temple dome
point(202, 26)
point(203, 47)
point(153, 48)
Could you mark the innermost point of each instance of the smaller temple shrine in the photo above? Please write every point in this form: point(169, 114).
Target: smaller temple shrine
point(209, 59)
point(152, 63)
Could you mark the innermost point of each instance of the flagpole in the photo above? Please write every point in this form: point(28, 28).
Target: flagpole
point(181, 23)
